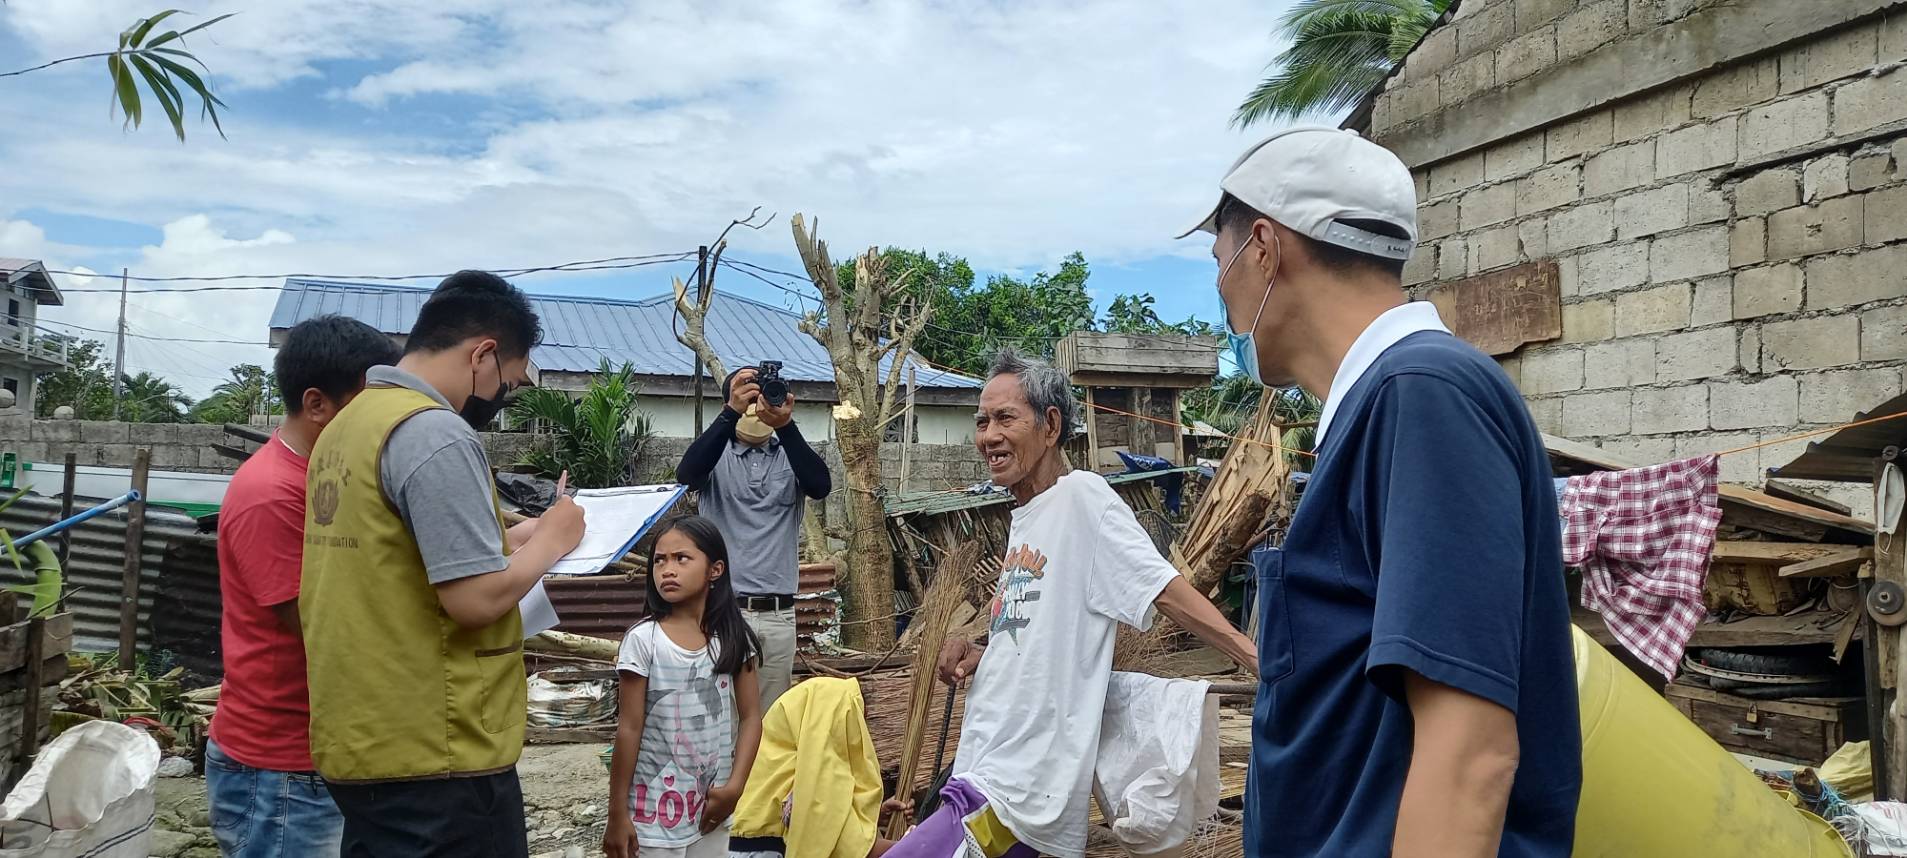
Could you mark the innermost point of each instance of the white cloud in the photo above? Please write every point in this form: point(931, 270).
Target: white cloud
point(1008, 133)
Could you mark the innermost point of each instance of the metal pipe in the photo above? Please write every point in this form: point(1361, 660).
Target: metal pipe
point(63, 524)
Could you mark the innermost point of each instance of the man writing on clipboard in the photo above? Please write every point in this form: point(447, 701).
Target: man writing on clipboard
point(753, 471)
point(410, 588)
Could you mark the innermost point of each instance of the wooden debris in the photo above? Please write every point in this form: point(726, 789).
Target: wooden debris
point(564, 643)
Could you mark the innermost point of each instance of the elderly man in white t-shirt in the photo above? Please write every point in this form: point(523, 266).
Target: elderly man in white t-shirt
point(1077, 565)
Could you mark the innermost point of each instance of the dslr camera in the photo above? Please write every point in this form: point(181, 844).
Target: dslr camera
point(774, 388)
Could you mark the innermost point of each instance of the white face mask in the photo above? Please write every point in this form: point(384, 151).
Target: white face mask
point(1245, 345)
point(1890, 496)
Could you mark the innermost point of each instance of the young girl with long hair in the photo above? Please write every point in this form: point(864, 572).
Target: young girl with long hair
point(690, 719)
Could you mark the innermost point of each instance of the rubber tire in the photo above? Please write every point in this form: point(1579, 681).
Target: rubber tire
point(1784, 692)
point(1767, 664)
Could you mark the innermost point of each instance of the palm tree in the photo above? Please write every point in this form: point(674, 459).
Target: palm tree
point(1340, 50)
point(151, 399)
point(598, 437)
point(250, 391)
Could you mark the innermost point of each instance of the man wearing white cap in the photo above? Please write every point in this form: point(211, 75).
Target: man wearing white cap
point(1417, 691)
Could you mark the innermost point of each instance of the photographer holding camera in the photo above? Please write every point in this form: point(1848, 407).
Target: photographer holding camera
point(752, 471)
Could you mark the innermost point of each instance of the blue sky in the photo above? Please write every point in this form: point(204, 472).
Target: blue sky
point(373, 137)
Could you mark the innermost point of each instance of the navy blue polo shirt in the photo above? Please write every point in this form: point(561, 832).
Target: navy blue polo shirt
point(1427, 541)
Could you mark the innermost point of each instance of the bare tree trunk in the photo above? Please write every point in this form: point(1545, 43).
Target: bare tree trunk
point(859, 325)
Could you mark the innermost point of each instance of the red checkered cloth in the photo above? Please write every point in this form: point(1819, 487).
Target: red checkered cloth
point(1642, 538)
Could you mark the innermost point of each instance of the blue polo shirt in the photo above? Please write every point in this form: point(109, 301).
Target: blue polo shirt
point(1427, 541)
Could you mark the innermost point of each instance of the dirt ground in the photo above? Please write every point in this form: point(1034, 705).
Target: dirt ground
point(565, 794)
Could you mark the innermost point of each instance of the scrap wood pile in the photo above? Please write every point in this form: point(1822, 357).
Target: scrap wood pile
point(97, 689)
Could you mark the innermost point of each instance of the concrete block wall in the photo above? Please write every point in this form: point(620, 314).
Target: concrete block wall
point(1732, 245)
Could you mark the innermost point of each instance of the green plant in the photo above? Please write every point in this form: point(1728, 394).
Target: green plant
point(1340, 50)
point(598, 437)
point(155, 58)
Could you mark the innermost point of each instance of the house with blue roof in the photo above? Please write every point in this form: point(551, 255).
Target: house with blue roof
point(580, 332)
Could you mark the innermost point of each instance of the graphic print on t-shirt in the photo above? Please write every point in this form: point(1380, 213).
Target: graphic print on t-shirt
point(688, 738)
point(1024, 566)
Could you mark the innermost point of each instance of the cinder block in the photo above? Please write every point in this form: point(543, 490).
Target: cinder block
point(1814, 343)
point(1619, 169)
point(1533, 234)
point(1644, 14)
point(1611, 268)
point(1513, 158)
point(1670, 409)
point(1659, 111)
point(1569, 283)
point(1414, 100)
point(1495, 248)
point(1488, 206)
point(1748, 242)
point(1640, 449)
point(1552, 371)
point(1592, 133)
point(1738, 405)
point(1437, 220)
point(1485, 29)
point(56, 431)
point(1421, 267)
point(1768, 191)
point(1734, 88)
point(1843, 54)
point(1750, 348)
point(1596, 414)
point(1590, 27)
point(1456, 175)
point(1884, 334)
point(1870, 171)
point(1435, 52)
point(1847, 279)
point(1547, 414)
point(1697, 147)
point(1581, 226)
point(1893, 38)
point(15, 428)
point(1526, 55)
point(1619, 363)
point(1531, 14)
point(1714, 301)
point(1833, 397)
point(1785, 124)
point(1545, 189)
point(1767, 291)
point(1453, 258)
point(1886, 215)
point(106, 455)
point(1870, 101)
point(104, 432)
point(1664, 308)
point(1589, 321)
point(1742, 467)
point(1652, 211)
point(1708, 203)
point(1695, 355)
point(1463, 80)
point(1806, 230)
point(1421, 176)
point(172, 456)
point(1824, 177)
point(1692, 253)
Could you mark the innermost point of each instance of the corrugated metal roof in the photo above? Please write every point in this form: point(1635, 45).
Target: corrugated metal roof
point(1848, 456)
point(605, 606)
point(178, 570)
point(578, 333)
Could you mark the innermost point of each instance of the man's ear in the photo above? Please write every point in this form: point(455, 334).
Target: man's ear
point(1056, 424)
point(316, 407)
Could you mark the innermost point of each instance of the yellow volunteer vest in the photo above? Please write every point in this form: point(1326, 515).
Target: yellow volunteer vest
point(398, 690)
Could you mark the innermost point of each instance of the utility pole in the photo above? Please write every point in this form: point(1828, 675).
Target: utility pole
point(119, 354)
point(701, 300)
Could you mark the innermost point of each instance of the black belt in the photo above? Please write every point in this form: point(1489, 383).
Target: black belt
point(765, 603)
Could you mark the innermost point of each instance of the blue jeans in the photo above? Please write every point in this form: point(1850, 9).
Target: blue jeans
point(260, 813)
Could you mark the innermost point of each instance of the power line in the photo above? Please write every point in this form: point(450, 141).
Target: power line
point(149, 336)
point(614, 263)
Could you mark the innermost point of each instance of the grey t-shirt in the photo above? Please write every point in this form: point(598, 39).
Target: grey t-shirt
point(752, 495)
point(437, 477)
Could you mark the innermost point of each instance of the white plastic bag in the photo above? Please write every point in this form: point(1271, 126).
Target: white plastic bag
point(570, 704)
point(1883, 826)
point(1157, 773)
point(89, 795)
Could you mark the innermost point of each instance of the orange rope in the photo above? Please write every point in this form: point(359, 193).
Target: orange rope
point(1828, 431)
point(1266, 444)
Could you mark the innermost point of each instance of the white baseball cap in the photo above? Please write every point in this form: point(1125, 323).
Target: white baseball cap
point(1312, 178)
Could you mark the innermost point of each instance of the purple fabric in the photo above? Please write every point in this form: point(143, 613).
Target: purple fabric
point(944, 835)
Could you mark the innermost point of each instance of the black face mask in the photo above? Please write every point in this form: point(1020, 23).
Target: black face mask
point(478, 411)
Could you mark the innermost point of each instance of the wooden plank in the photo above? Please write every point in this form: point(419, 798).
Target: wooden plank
point(1092, 430)
point(1142, 428)
point(134, 551)
point(569, 735)
point(1814, 627)
point(1502, 310)
point(1798, 732)
point(56, 639)
point(1128, 378)
point(1789, 491)
point(1739, 500)
point(1841, 563)
point(1769, 553)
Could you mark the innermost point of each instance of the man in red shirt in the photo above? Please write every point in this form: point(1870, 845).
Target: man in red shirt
point(266, 799)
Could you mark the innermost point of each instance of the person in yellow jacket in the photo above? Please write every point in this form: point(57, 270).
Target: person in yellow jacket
point(410, 586)
point(815, 791)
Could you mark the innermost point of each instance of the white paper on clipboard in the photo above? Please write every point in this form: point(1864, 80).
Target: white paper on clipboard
point(539, 613)
point(613, 520)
